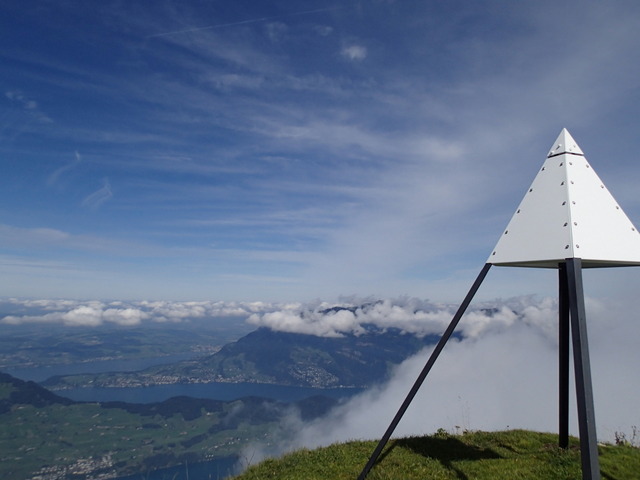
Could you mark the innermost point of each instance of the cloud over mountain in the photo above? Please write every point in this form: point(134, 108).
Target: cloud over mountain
point(352, 315)
point(411, 315)
point(501, 376)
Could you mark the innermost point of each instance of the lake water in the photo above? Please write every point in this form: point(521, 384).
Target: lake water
point(216, 391)
point(217, 469)
point(158, 393)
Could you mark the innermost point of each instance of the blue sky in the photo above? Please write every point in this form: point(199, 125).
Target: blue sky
point(293, 150)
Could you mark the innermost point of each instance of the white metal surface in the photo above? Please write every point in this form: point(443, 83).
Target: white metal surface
point(567, 213)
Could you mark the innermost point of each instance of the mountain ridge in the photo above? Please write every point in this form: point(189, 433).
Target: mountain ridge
point(275, 357)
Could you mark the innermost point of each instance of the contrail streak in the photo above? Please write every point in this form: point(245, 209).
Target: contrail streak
point(243, 22)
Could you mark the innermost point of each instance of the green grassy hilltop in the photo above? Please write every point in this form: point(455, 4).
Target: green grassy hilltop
point(509, 455)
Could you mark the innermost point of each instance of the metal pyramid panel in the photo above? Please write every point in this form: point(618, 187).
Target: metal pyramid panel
point(567, 213)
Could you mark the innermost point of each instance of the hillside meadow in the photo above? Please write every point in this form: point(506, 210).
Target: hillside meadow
point(513, 454)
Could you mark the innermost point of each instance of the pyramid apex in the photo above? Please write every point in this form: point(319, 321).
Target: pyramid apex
point(564, 144)
point(567, 213)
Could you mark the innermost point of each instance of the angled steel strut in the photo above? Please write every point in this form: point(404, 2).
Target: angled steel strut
point(425, 371)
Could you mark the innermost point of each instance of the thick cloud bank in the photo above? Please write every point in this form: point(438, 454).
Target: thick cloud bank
point(348, 316)
point(502, 374)
point(411, 315)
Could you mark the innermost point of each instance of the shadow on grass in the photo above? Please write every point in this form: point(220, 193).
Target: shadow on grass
point(446, 450)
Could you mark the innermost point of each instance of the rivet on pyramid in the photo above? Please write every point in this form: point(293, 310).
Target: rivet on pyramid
point(567, 213)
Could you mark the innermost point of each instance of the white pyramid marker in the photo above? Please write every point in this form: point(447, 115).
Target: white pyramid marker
point(567, 221)
point(567, 213)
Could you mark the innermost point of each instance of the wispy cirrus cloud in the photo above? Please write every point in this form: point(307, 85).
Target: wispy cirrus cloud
point(396, 138)
point(38, 239)
point(28, 105)
point(242, 22)
point(12, 235)
point(354, 52)
point(55, 176)
point(21, 114)
point(96, 199)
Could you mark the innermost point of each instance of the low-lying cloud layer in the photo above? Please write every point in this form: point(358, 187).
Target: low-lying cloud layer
point(349, 316)
point(95, 313)
point(411, 315)
point(501, 374)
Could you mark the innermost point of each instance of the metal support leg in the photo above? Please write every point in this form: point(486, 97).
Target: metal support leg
point(584, 390)
point(563, 370)
point(425, 371)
